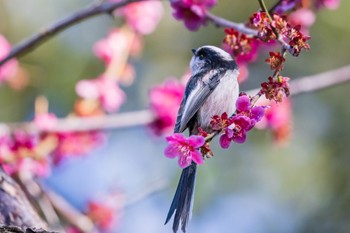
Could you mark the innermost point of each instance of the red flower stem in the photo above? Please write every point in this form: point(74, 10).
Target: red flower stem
point(90, 11)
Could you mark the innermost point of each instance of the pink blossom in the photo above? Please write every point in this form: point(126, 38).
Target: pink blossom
point(186, 149)
point(330, 4)
point(165, 101)
point(45, 121)
point(303, 17)
point(143, 17)
point(193, 12)
point(76, 144)
point(243, 72)
point(115, 43)
point(278, 118)
point(101, 214)
point(111, 96)
point(105, 89)
point(236, 128)
point(9, 69)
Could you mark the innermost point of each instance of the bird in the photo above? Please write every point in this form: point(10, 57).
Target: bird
point(211, 90)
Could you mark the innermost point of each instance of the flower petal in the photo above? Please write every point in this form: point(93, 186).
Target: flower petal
point(171, 151)
point(257, 113)
point(184, 161)
point(240, 138)
point(196, 141)
point(225, 141)
point(243, 103)
point(197, 157)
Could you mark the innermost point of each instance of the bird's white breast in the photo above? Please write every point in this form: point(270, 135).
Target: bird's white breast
point(222, 99)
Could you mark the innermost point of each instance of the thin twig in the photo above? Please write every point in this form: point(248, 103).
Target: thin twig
point(70, 214)
point(241, 27)
point(90, 11)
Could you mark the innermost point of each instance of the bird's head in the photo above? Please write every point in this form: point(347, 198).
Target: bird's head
point(208, 58)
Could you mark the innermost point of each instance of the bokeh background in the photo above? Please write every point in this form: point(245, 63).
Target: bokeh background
point(256, 187)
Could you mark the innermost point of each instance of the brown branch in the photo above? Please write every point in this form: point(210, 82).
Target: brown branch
point(90, 11)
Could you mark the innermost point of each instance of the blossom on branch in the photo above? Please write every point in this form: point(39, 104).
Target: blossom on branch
point(144, 16)
point(275, 88)
point(235, 128)
point(276, 61)
point(192, 12)
point(278, 119)
point(279, 29)
point(186, 149)
point(104, 89)
point(9, 69)
point(244, 48)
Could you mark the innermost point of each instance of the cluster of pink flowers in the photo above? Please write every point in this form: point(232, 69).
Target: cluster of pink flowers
point(9, 69)
point(235, 128)
point(24, 152)
point(267, 28)
point(192, 12)
point(165, 101)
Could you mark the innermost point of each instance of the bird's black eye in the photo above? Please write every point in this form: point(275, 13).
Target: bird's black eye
point(201, 56)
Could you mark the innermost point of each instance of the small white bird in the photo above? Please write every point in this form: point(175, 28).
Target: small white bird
point(211, 90)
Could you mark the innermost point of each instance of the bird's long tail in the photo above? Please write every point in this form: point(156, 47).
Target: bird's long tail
point(183, 199)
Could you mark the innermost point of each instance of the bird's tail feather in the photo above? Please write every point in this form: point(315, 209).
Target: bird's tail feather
point(183, 200)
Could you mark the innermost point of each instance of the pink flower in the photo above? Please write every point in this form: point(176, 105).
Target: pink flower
point(330, 4)
point(303, 17)
point(76, 144)
point(115, 43)
point(9, 69)
point(186, 149)
point(101, 214)
point(193, 12)
point(165, 101)
point(279, 120)
point(143, 17)
point(105, 89)
point(45, 121)
point(111, 96)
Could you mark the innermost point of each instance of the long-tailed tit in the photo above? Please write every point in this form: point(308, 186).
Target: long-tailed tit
point(211, 90)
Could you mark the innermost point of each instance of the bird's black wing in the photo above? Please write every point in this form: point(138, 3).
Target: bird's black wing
point(198, 89)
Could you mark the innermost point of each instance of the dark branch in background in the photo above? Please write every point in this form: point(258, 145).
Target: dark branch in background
point(15, 209)
point(297, 86)
point(221, 22)
point(33, 42)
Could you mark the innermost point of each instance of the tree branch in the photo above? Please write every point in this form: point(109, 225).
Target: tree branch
point(90, 11)
point(221, 22)
point(297, 86)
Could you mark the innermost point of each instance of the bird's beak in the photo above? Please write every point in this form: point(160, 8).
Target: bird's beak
point(194, 51)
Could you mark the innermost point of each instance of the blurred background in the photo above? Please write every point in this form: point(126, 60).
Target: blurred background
point(257, 187)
